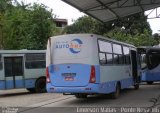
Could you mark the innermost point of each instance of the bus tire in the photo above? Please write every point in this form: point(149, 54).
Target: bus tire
point(150, 82)
point(116, 94)
point(40, 86)
point(81, 95)
point(136, 86)
point(32, 90)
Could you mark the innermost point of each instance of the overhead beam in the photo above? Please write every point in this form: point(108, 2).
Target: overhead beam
point(103, 5)
point(82, 10)
point(113, 7)
point(139, 3)
point(123, 5)
point(155, 12)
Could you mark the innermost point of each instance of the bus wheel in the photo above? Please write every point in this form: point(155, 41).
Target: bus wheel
point(150, 82)
point(136, 86)
point(81, 95)
point(40, 86)
point(32, 90)
point(116, 94)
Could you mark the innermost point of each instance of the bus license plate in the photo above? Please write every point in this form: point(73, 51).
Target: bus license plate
point(69, 78)
point(69, 74)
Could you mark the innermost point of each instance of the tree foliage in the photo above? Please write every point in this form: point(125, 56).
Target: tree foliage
point(139, 39)
point(25, 26)
point(87, 24)
point(134, 24)
point(132, 29)
point(156, 37)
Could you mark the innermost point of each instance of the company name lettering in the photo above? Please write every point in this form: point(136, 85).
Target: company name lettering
point(76, 46)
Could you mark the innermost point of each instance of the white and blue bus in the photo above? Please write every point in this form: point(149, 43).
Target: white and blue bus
point(150, 64)
point(86, 64)
point(23, 69)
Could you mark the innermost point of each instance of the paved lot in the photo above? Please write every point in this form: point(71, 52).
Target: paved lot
point(47, 103)
point(23, 98)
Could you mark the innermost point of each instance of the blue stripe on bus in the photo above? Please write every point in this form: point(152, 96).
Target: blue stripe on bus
point(125, 83)
point(9, 84)
point(149, 76)
point(30, 83)
point(2, 84)
point(107, 87)
point(19, 83)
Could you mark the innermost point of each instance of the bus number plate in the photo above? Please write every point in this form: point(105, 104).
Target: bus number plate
point(69, 74)
point(69, 78)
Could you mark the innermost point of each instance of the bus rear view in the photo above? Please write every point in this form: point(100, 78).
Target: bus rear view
point(72, 64)
point(85, 64)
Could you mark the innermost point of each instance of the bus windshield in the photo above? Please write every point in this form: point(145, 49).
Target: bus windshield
point(149, 57)
point(153, 57)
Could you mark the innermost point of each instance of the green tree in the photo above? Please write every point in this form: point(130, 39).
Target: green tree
point(132, 29)
point(4, 5)
point(40, 27)
point(87, 24)
point(25, 26)
point(134, 24)
point(143, 39)
point(156, 37)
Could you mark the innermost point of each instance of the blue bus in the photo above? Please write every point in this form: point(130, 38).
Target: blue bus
point(87, 64)
point(150, 64)
point(23, 69)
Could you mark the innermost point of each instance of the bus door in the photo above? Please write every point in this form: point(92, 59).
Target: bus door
point(134, 66)
point(14, 72)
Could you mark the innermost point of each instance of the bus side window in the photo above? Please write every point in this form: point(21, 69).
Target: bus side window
point(105, 46)
point(126, 55)
point(102, 58)
point(105, 52)
point(116, 59)
point(121, 59)
point(34, 61)
point(109, 58)
point(117, 53)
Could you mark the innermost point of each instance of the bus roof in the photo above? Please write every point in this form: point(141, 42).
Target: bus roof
point(21, 51)
point(95, 36)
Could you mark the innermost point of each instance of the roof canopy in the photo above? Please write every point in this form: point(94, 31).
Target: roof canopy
point(107, 10)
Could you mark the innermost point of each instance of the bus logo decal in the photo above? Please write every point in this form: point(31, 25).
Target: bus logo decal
point(75, 46)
